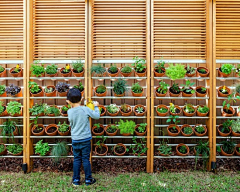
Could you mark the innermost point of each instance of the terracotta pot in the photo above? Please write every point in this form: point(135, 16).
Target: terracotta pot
point(137, 94)
point(52, 115)
point(189, 114)
point(4, 94)
point(220, 94)
point(140, 134)
point(179, 153)
point(125, 74)
point(78, 74)
point(113, 74)
point(4, 113)
point(4, 152)
point(121, 95)
point(98, 134)
point(104, 108)
point(200, 94)
point(201, 74)
point(40, 133)
point(126, 134)
point(52, 94)
point(52, 75)
point(235, 134)
point(224, 114)
point(139, 114)
point(100, 94)
point(190, 75)
point(17, 114)
point(141, 74)
point(223, 134)
point(173, 94)
point(186, 135)
point(19, 74)
point(187, 94)
point(173, 134)
point(18, 154)
point(156, 74)
point(4, 73)
point(201, 114)
point(200, 134)
point(175, 114)
point(65, 115)
point(162, 114)
point(40, 94)
point(237, 153)
point(48, 127)
point(103, 145)
point(227, 154)
point(221, 74)
point(113, 114)
point(119, 154)
point(69, 74)
point(19, 94)
point(65, 133)
point(128, 113)
point(63, 94)
point(110, 134)
point(159, 94)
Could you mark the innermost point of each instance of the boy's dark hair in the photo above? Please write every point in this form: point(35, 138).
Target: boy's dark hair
point(74, 95)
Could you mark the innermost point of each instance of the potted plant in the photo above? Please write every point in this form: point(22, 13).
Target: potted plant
point(37, 129)
point(126, 128)
point(139, 110)
point(141, 129)
point(100, 91)
point(164, 149)
point(64, 110)
point(14, 108)
point(139, 148)
point(126, 71)
point(125, 110)
point(80, 87)
point(190, 71)
point(51, 130)
point(201, 91)
point(140, 66)
point(237, 89)
point(173, 129)
point(52, 111)
point(113, 71)
point(236, 128)
point(162, 110)
point(137, 90)
point(3, 71)
point(202, 110)
point(3, 91)
point(174, 90)
point(228, 147)
point(189, 110)
point(174, 109)
point(120, 87)
point(182, 149)
point(98, 70)
point(224, 129)
point(187, 130)
point(119, 149)
point(202, 72)
point(41, 148)
point(77, 68)
point(202, 149)
point(14, 91)
point(3, 109)
point(15, 149)
point(9, 128)
point(162, 89)
point(16, 71)
point(175, 72)
point(223, 91)
point(237, 74)
point(38, 109)
point(112, 110)
point(63, 129)
point(187, 90)
point(52, 70)
point(59, 150)
point(225, 70)
point(35, 89)
point(200, 130)
point(238, 149)
point(98, 129)
point(159, 69)
point(50, 91)
point(227, 110)
point(66, 71)
point(62, 89)
point(3, 149)
point(102, 110)
point(101, 149)
point(37, 70)
point(111, 130)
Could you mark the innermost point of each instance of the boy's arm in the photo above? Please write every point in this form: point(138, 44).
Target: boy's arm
point(95, 114)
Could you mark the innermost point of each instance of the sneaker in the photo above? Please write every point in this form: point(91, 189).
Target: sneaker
point(76, 183)
point(90, 182)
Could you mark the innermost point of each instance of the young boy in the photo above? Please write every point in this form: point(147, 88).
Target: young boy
point(78, 117)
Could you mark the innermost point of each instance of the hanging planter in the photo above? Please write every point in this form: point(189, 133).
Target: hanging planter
point(98, 129)
point(102, 110)
point(4, 150)
point(51, 130)
point(202, 72)
point(189, 110)
point(202, 110)
point(100, 91)
point(139, 110)
point(224, 130)
point(173, 130)
point(223, 91)
point(227, 154)
point(113, 71)
point(38, 130)
point(228, 112)
point(126, 71)
point(141, 129)
point(125, 110)
point(201, 91)
point(119, 149)
point(113, 110)
point(51, 70)
point(200, 130)
point(62, 89)
point(16, 71)
point(182, 150)
point(66, 71)
point(187, 130)
point(101, 150)
point(162, 110)
point(111, 130)
point(190, 71)
point(50, 91)
point(187, 90)
point(63, 129)
point(3, 72)
point(14, 91)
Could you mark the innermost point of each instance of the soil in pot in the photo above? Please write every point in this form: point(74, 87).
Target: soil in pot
point(173, 91)
point(51, 129)
point(177, 110)
point(199, 90)
point(38, 130)
point(228, 111)
point(172, 130)
point(64, 112)
point(99, 130)
point(221, 129)
point(119, 149)
point(101, 150)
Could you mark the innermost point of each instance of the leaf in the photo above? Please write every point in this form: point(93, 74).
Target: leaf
point(168, 120)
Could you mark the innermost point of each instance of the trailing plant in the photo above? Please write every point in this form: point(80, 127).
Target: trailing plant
point(34, 87)
point(127, 126)
point(228, 145)
point(139, 64)
point(126, 69)
point(236, 126)
point(139, 147)
point(112, 108)
point(159, 67)
point(64, 127)
point(139, 109)
point(120, 86)
point(1, 69)
point(77, 66)
point(101, 89)
point(49, 90)
point(17, 69)
point(203, 109)
point(8, 128)
point(113, 69)
point(176, 71)
point(190, 70)
point(59, 150)
point(38, 109)
point(79, 87)
point(1, 107)
point(14, 107)
point(51, 69)
point(62, 87)
point(163, 87)
point(125, 108)
point(42, 148)
point(37, 69)
point(136, 88)
point(2, 89)
point(202, 148)
point(142, 127)
point(200, 128)
point(52, 110)
point(187, 130)
point(98, 70)
point(12, 89)
point(15, 148)
point(67, 69)
point(162, 110)
point(227, 68)
point(189, 108)
point(187, 87)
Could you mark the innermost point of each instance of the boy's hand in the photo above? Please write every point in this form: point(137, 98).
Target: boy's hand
point(96, 103)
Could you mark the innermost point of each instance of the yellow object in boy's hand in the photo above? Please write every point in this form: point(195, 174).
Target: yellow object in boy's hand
point(90, 104)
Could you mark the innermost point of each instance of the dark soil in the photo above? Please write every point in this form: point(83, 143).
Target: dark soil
point(51, 129)
point(120, 149)
point(102, 150)
point(4, 108)
point(141, 71)
point(177, 110)
point(179, 148)
point(203, 72)
point(103, 111)
point(138, 130)
point(100, 130)
point(189, 93)
point(65, 72)
point(64, 112)
point(221, 129)
point(77, 71)
point(37, 92)
point(173, 130)
point(174, 91)
point(38, 130)
point(228, 111)
point(112, 72)
point(200, 91)
point(15, 72)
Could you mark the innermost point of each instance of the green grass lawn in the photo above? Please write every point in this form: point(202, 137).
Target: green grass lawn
point(166, 181)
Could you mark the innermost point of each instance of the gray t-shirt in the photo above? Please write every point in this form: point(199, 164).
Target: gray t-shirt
point(79, 121)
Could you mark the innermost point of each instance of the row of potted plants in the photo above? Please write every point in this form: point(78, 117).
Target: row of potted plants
point(14, 150)
point(226, 69)
point(228, 147)
point(13, 109)
point(11, 90)
point(229, 127)
point(14, 72)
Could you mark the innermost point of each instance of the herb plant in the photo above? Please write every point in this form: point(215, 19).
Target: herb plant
point(38, 109)
point(228, 146)
point(77, 66)
point(51, 69)
point(136, 88)
point(59, 150)
point(190, 70)
point(12, 89)
point(34, 87)
point(49, 90)
point(226, 125)
point(237, 88)
point(236, 126)
point(8, 128)
point(176, 71)
point(203, 109)
point(100, 142)
point(142, 127)
point(172, 108)
point(202, 148)
point(15, 148)
point(98, 126)
point(200, 128)
point(175, 88)
point(66, 108)
point(14, 107)
point(187, 88)
point(163, 87)
point(125, 108)
point(2, 148)
point(64, 127)
point(139, 147)
point(164, 148)
point(62, 87)
point(162, 110)
point(159, 67)
point(187, 130)
point(42, 148)
point(113, 69)
point(98, 70)
point(101, 89)
point(52, 110)
point(139, 109)
point(79, 87)
point(1, 69)
point(120, 86)
point(183, 149)
point(189, 108)
point(37, 69)
point(112, 108)
point(139, 65)
point(112, 128)
point(126, 69)
point(66, 69)
point(2, 89)
point(126, 126)
point(173, 119)
point(227, 68)
point(226, 103)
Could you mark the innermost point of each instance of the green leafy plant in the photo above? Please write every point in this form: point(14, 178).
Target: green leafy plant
point(34, 87)
point(64, 127)
point(163, 87)
point(139, 109)
point(1, 69)
point(126, 69)
point(228, 146)
point(17, 69)
point(49, 90)
point(112, 128)
point(52, 110)
point(66, 108)
point(200, 128)
point(190, 70)
point(183, 149)
point(187, 87)
point(203, 89)
point(236, 126)
point(139, 147)
point(139, 64)
point(142, 127)
point(2, 148)
point(175, 71)
point(202, 148)
point(15, 148)
point(227, 68)
point(238, 69)
point(224, 90)
point(162, 110)
point(100, 142)
point(226, 125)
point(14, 107)
point(120, 86)
point(98, 126)
point(173, 119)
point(98, 70)
point(101, 89)
point(37, 69)
point(79, 86)
point(126, 126)
point(51, 69)
point(175, 88)
point(59, 150)
point(189, 108)
point(42, 148)
point(12, 89)
point(112, 108)
point(38, 109)
point(136, 88)
point(1, 107)
point(164, 148)
point(66, 69)
point(62, 87)
point(227, 103)
point(187, 130)
point(8, 128)
point(202, 70)
point(77, 66)
point(113, 69)
point(125, 108)
point(2, 89)
point(203, 109)
point(159, 67)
